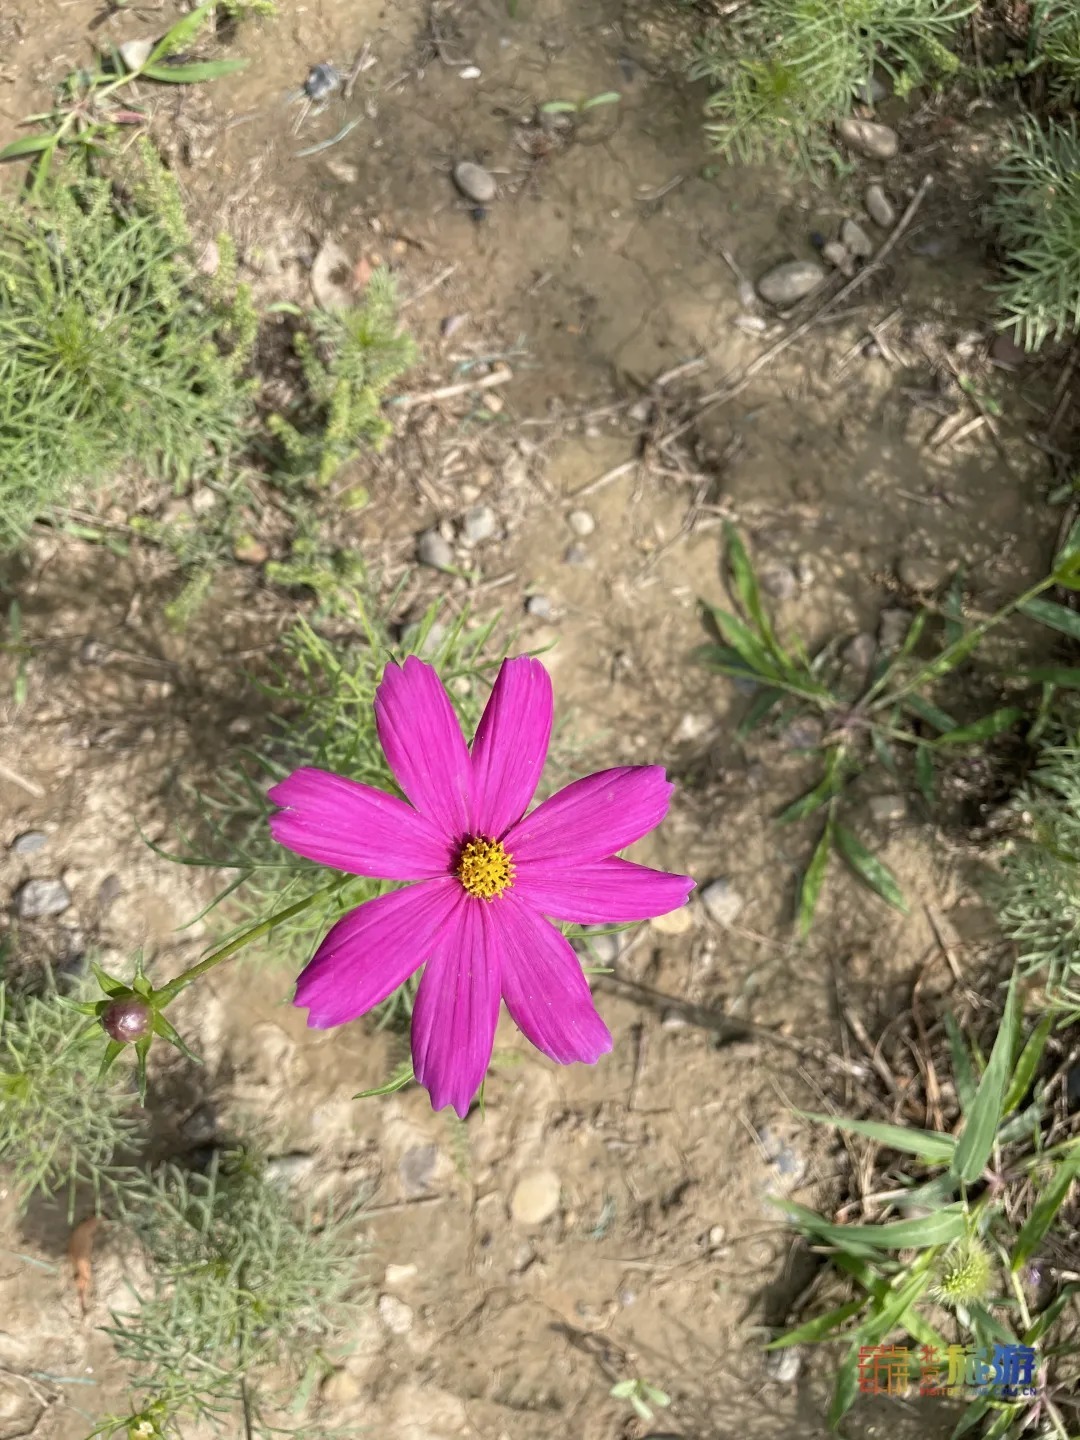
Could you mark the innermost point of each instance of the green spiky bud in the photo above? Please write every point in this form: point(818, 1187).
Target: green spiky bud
point(964, 1274)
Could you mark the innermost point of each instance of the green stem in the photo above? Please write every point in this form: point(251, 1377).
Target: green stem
point(169, 992)
point(955, 652)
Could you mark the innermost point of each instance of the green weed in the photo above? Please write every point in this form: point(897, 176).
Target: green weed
point(114, 349)
point(1036, 209)
point(949, 1262)
point(348, 358)
point(891, 717)
point(783, 71)
point(242, 1283)
point(60, 1134)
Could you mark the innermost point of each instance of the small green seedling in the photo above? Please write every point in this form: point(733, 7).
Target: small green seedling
point(580, 107)
point(641, 1395)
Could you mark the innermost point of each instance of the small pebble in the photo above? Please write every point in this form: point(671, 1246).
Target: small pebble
point(395, 1314)
point(289, 1170)
point(433, 550)
point(600, 950)
point(539, 606)
point(879, 207)
point(784, 1365)
point(416, 1169)
point(692, 727)
point(893, 627)
point(873, 92)
point(399, 1275)
point(535, 1197)
point(677, 922)
point(343, 171)
point(878, 142)
point(135, 53)
point(474, 182)
point(885, 808)
point(37, 899)
point(93, 652)
point(673, 1020)
point(29, 842)
point(575, 555)
point(920, 573)
point(860, 651)
point(722, 902)
point(470, 72)
point(751, 324)
point(779, 581)
point(479, 523)
point(322, 80)
point(203, 500)
point(785, 284)
point(747, 295)
point(855, 238)
point(581, 522)
point(339, 1389)
point(804, 733)
point(838, 255)
point(717, 1236)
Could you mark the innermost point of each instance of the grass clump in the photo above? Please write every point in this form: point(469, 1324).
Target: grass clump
point(1055, 41)
point(243, 1283)
point(1037, 895)
point(782, 71)
point(60, 1133)
point(348, 358)
point(1037, 212)
point(964, 1261)
point(114, 349)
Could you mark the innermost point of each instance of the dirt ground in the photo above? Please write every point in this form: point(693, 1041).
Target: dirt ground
point(604, 264)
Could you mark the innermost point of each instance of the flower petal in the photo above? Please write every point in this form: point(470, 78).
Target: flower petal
point(545, 990)
point(373, 950)
point(424, 746)
point(336, 821)
point(457, 1007)
point(594, 817)
point(599, 892)
point(511, 745)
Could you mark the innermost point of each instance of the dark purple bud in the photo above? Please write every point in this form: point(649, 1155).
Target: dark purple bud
point(126, 1021)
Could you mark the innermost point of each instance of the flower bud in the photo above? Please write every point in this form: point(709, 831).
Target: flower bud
point(126, 1021)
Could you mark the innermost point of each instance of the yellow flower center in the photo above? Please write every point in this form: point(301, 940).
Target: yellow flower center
point(485, 869)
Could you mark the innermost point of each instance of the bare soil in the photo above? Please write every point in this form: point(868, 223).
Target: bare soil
point(599, 267)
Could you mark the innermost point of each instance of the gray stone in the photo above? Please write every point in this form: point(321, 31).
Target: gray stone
point(893, 626)
point(784, 1365)
point(879, 207)
point(479, 523)
point(539, 606)
point(885, 808)
point(581, 522)
point(785, 284)
point(722, 901)
point(838, 255)
point(109, 891)
point(920, 573)
point(40, 898)
point(535, 1197)
point(575, 555)
point(29, 842)
point(869, 138)
point(474, 182)
point(673, 1020)
point(200, 1127)
point(416, 1169)
point(780, 582)
point(751, 324)
point(860, 652)
point(746, 295)
point(599, 949)
point(804, 733)
point(395, 1314)
point(433, 550)
point(872, 92)
point(855, 238)
point(289, 1170)
point(135, 53)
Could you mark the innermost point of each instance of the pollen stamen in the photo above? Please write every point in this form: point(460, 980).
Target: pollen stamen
point(484, 868)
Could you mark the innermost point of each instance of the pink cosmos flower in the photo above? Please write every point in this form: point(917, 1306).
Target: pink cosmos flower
point(487, 878)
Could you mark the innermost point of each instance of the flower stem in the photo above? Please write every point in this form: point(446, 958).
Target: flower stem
point(170, 991)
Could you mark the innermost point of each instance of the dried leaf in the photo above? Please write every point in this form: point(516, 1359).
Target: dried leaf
point(80, 1253)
